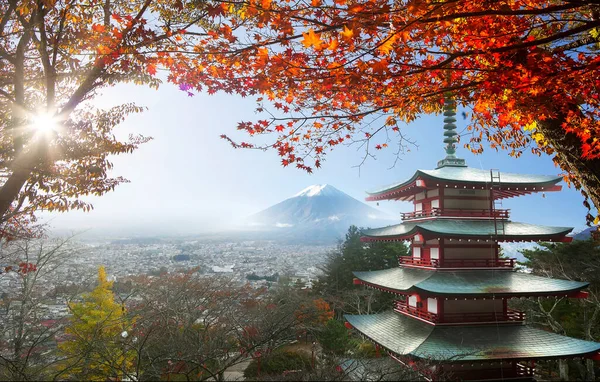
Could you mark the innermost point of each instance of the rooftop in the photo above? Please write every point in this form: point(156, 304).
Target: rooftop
point(477, 283)
point(519, 184)
point(409, 337)
point(468, 229)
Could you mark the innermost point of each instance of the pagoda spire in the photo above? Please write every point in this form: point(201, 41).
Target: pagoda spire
point(450, 134)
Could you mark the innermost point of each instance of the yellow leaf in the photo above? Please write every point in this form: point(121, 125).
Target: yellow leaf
point(347, 32)
point(530, 126)
point(311, 39)
point(388, 45)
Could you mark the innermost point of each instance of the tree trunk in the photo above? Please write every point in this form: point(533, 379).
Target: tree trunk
point(567, 147)
point(21, 171)
point(563, 369)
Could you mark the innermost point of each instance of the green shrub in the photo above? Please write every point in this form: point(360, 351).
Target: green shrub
point(334, 338)
point(277, 363)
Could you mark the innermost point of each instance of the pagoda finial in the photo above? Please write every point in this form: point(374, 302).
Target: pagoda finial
point(450, 133)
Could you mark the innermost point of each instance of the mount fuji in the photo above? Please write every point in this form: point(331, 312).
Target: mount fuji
point(319, 212)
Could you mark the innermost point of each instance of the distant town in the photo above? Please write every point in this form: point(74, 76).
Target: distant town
point(256, 263)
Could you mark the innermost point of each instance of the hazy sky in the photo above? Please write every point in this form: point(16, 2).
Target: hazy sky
point(189, 180)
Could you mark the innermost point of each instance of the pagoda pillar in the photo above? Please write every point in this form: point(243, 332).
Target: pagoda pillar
point(563, 369)
point(441, 251)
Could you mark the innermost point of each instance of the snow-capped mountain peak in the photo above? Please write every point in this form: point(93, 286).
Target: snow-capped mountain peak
point(317, 212)
point(314, 190)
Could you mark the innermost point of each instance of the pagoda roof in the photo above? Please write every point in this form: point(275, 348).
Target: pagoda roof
point(406, 336)
point(469, 229)
point(511, 184)
point(472, 283)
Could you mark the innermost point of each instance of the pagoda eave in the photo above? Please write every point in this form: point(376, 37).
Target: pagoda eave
point(468, 230)
point(403, 192)
point(404, 336)
point(485, 238)
point(469, 284)
point(578, 293)
point(423, 179)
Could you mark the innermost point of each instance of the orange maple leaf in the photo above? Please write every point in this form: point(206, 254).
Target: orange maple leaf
point(333, 45)
point(151, 69)
point(311, 39)
point(98, 28)
point(347, 32)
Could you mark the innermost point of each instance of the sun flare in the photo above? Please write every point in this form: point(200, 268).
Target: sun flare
point(44, 122)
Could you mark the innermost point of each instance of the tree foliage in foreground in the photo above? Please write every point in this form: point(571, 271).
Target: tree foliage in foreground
point(56, 56)
point(328, 73)
point(343, 71)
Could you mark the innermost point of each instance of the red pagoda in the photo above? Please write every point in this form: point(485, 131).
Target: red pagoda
point(453, 289)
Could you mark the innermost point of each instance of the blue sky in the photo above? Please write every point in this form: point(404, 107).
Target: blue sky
point(188, 180)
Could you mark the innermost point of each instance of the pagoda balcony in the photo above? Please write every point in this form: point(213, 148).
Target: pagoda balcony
point(457, 263)
point(518, 372)
point(510, 316)
point(457, 213)
point(403, 308)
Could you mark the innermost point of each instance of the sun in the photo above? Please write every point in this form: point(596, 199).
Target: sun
point(44, 122)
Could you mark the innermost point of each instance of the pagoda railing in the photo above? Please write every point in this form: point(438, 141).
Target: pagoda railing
point(403, 307)
point(457, 263)
point(511, 315)
point(407, 260)
point(518, 372)
point(478, 263)
point(457, 213)
point(524, 370)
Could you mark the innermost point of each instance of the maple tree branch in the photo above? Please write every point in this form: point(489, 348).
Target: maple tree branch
point(90, 81)
point(503, 12)
point(49, 72)
point(106, 9)
point(59, 34)
point(18, 108)
point(589, 40)
point(6, 16)
point(557, 36)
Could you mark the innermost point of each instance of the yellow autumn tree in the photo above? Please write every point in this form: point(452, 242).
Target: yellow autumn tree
point(97, 347)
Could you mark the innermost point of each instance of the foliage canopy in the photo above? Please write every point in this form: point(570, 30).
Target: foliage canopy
point(327, 73)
